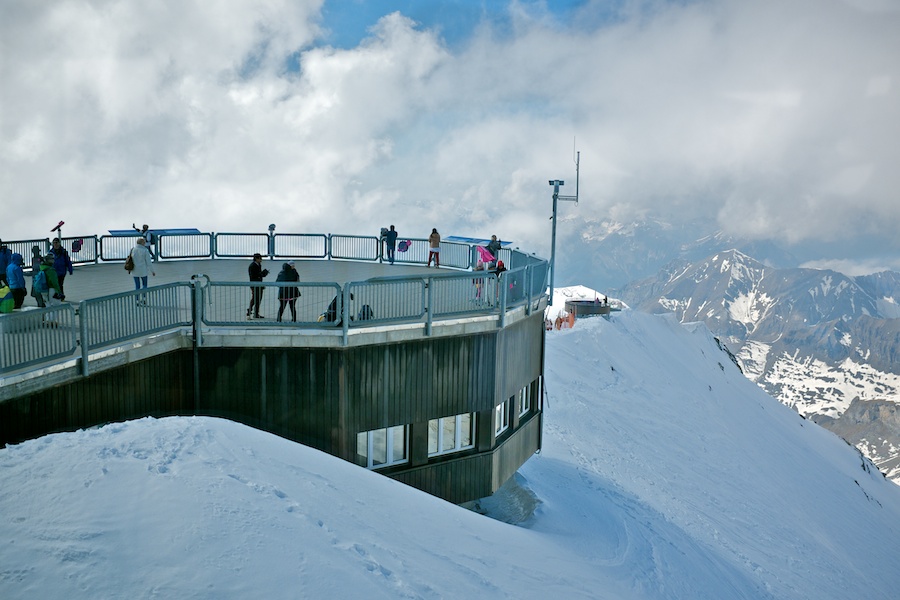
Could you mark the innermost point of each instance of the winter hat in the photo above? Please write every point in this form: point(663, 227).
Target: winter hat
point(500, 263)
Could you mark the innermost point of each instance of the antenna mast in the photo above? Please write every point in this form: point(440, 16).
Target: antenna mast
point(556, 183)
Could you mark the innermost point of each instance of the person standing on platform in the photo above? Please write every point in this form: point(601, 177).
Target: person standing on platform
point(47, 283)
point(15, 278)
point(494, 248)
point(390, 241)
point(287, 296)
point(148, 236)
point(62, 264)
point(143, 266)
point(434, 248)
point(257, 274)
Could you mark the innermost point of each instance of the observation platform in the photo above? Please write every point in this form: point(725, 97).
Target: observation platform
point(432, 376)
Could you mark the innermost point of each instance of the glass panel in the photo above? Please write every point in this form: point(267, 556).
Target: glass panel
point(433, 436)
point(398, 436)
point(379, 446)
point(465, 430)
point(449, 439)
point(362, 448)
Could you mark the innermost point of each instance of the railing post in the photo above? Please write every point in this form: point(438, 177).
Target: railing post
point(527, 290)
point(345, 312)
point(197, 297)
point(82, 337)
point(328, 246)
point(502, 283)
point(429, 304)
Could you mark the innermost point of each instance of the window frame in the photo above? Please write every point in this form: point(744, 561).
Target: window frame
point(390, 461)
point(502, 417)
point(525, 400)
point(457, 435)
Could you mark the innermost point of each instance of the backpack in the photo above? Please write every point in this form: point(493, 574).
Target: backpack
point(7, 301)
point(129, 263)
point(40, 282)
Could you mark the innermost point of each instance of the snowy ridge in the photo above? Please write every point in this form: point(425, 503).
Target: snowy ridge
point(815, 339)
point(665, 473)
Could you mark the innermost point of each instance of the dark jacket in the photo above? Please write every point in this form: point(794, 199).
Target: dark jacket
point(5, 258)
point(62, 264)
point(494, 248)
point(256, 271)
point(288, 273)
point(390, 238)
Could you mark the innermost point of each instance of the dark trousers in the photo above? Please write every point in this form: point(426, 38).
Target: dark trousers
point(18, 297)
point(288, 301)
point(256, 293)
point(390, 254)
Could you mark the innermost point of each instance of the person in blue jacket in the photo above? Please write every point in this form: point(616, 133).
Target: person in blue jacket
point(62, 264)
point(16, 279)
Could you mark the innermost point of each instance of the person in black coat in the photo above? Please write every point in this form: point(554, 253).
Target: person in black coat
point(257, 273)
point(287, 295)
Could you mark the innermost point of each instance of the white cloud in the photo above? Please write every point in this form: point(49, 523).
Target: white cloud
point(778, 118)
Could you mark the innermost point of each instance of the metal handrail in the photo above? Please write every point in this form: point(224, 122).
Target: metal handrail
point(38, 336)
point(111, 320)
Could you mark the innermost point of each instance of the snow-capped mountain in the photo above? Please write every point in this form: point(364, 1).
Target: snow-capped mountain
point(816, 339)
point(611, 253)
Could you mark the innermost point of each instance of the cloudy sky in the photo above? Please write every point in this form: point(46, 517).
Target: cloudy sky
point(779, 120)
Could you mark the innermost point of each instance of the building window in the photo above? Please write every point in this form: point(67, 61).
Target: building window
point(501, 416)
point(382, 447)
point(524, 400)
point(451, 434)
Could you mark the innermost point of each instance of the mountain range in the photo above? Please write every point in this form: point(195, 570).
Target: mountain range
point(819, 341)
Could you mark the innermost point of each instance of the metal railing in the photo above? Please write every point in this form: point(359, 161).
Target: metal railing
point(385, 300)
point(240, 245)
point(354, 247)
point(227, 303)
point(45, 335)
point(116, 247)
point(37, 336)
point(186, 245)
point(114, 319)
point(301, 245)
point(82, 250)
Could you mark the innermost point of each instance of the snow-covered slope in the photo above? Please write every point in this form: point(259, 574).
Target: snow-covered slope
point(664, 474)
point(815, 339)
